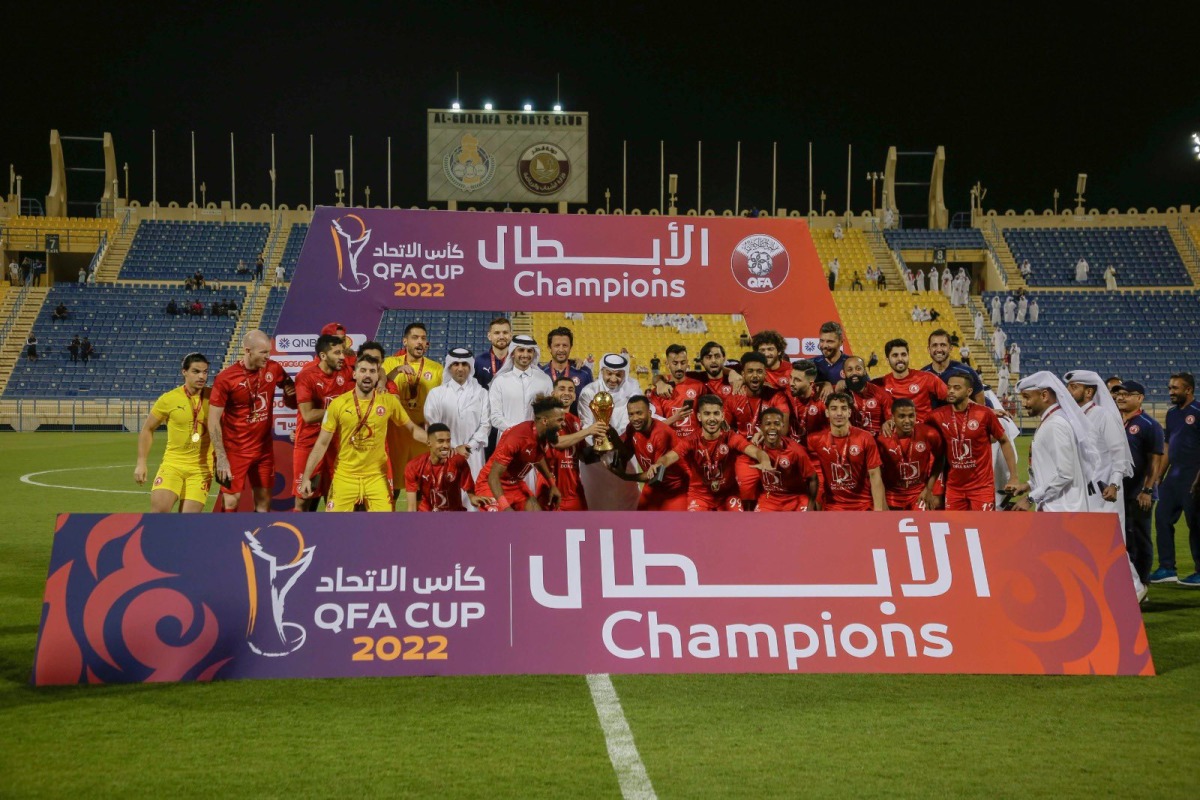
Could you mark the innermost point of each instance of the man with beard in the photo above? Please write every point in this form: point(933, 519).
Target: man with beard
point(560, 341)
point(772, 346)
point(488, 363)
point(655, 445)
point(848, 460)
point(462, 404)
point(415, 377)
point(565, 452)
point(437, 480)
point(1179, 489)
point(317, 385)
point(832, 361)
point(913, 457)
point(807, 409)
point(710, 456)
point(792, 485)
point(872, 405)
point(186, 470)
point(716, 377)
point(521, 449)
point(1146, 447)
point(922, 388)
point(604, 490)
point(969, 430)
point(742, 412)
point(516, 384)
point(678, 408)
point(943, 366)
point(360, 419)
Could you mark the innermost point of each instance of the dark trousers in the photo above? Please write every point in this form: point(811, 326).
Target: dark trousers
point(1137, 537)
point(1175, 498)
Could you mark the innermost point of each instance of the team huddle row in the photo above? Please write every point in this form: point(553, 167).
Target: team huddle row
point(502, 431)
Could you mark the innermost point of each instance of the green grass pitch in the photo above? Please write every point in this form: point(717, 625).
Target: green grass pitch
point(699, 736)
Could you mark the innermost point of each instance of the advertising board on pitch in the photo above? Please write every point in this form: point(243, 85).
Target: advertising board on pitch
point(507, 156)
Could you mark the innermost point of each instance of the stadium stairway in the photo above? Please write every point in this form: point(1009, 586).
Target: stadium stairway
point(250, 318)
point(1012, 271)
point(885, 259)
point(981, 352)
point(1187, 242)
point(114, 257)
point(276, 240)
point(14, 343)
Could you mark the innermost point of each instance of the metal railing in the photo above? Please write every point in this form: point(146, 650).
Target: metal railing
point(11, 321)
point(996, 262)
point(30, 239)
point(30, 414)
point(1187, 239)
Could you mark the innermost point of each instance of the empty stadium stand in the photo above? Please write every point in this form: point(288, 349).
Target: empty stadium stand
point(138, 345)
point(1142, 256)
point(1141, 335)
point(446, 329)
point(853, 253)
point(273, 307)
point(917, 239)
point(291, 250)
point(172, 251)
point(872, 318)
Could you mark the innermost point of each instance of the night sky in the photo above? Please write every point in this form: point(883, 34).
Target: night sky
point(1022, 101)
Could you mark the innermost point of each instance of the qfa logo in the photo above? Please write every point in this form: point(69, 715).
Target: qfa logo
point(350, 236)
point(275, 557)
point(760, 263)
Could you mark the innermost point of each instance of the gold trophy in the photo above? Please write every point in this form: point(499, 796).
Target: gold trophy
point(602, 407)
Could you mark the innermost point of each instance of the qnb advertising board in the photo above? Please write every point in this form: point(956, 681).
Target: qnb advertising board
point(169, 597)
point(355, 263)
point(508, 156)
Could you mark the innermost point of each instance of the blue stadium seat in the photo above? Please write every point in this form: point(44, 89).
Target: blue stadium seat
point(1141, 256)
point(172, 251)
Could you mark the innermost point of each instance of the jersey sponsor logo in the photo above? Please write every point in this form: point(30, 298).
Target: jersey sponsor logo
point(760, 263)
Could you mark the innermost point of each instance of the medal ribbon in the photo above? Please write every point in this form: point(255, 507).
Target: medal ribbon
point(362, 420)
point(195, 412)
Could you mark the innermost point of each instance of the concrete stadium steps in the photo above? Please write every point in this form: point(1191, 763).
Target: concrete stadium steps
point(871, 318)
point(981, 351)
point(292, 245)
point(1187, 242)
point(110, 265)
point(1012, 270)
point(249, 318)
point(886, 260)
point(13, 345)
point(598, 334)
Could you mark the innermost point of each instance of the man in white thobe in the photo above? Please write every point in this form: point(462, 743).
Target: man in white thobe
point(1033, 311)
point(1002, 380)
point(995, 309)
point(604, 490)
point(1110, 278)
point(1107, 429)
point(999, 339)
point(1022, 309)
point(1081, 271)
point(947, 280)
point(1014, 359)
point(1062, 454)
point(509, 398)
point(979, 326)
point(1011, 431)
point(1010, 311)
point(462, 404)
point(933, 280)
point(921, 280)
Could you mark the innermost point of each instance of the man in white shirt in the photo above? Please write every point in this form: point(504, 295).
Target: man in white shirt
point(947, 281)
point(1110, 278)
point(1081, 271)
point(979, 326)
point(837, 233)
point(999, 339)
point(1026, 270)
point(1011, 431)
point(605, 490)
point(1002, 379)
point(933, 281)
point(1022, 309)
point(1010, 310)
point(1062, 454)
point(461, 404)
point(1033, 311)
point(1014, 358)
point(516, 384)
point(995, 309)
point(920, 281)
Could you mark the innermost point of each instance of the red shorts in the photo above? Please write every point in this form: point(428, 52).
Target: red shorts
point(258, 472)
point(567, 502)
point(856, 505)
point(516, 495)
point(782, 502)
point(653, 498)
point(906, 501)
point(321, 476)
point(748, 477)
point(976, 500)
point(703, 501)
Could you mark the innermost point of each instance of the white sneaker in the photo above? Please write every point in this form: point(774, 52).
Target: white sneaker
point(1142, 594)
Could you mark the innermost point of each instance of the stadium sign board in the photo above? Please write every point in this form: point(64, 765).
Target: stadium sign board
point(198, 597)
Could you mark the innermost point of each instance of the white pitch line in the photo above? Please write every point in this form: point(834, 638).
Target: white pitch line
point(622, 752)
point(29, 478)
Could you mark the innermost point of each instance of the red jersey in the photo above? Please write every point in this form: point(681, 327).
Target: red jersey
point(743, 411)
point(781, 376)
point(908, 463)
point(793, 468)
point(687, 389)
point(314, 386)
point(920, 387)
point(872, 408)
point(845, 462)
point(710, 464)
point(807, 416)
point(968, 435)
point(516, 452)
point(564, 466)
point(718, 386)
point(248, 399)
point(653, 445)
point(440, 487)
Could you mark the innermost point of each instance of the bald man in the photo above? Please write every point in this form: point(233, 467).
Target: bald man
point(240, 423)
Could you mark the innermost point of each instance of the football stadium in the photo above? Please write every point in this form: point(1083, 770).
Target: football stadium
point(610, 306)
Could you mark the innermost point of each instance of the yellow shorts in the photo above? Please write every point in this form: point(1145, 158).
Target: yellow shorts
point(347, 491)
point(187, 484)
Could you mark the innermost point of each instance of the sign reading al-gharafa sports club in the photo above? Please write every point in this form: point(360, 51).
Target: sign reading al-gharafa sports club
point(508, 156)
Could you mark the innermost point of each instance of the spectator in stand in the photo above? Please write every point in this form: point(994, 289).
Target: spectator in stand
point(172, 308)
point(1022, 309)
point(1110, 278)
point(1026, 270)
point(197, 308)
point(259, 266)
point(1010, 310)
point(838, 235)
point(14, 273)
point(231, 307)
point(1014, 358)
point(979, 326)
point(995, 309)
point(880, 279)
point(964, 354)
point(82, 276)
point(73, 349)
point(1081, 271)
point(60, 312)
point(744, 339)
point(86, 349)
point(91, 278)
point(39, 269)
point(1033, 311)
point(279, 274)
point(31, 352)
point(856, 285)
point(889, 219)
point(217, 309)
point(834, 268)
point(198, 279)
point(932, 315)
point(873, 360)
point(655, 366)
point(919, 280)
point(242, 269)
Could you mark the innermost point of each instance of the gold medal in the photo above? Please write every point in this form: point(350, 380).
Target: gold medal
point(716, 486)
point(196, 436)
point(412, 403)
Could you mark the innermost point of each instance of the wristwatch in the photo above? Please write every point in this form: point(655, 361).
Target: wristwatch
point(1146, 490)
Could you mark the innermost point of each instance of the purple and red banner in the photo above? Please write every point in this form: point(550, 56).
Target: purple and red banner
point(357, 262)
point(170, 597)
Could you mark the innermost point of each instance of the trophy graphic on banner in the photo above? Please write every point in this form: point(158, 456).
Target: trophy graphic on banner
point(602, 407)
point(269, 578)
